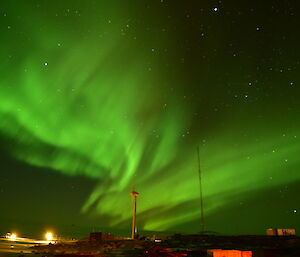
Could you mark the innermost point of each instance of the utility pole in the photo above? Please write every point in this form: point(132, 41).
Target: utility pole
point(134, 194)
point(201, 197)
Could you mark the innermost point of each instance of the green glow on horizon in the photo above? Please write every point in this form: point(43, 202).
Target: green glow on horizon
point(99, 108)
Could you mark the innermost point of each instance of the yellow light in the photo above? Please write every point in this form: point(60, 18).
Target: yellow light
point(49, 236)
point(12, 237)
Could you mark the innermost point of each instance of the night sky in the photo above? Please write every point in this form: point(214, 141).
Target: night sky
point(100, 97)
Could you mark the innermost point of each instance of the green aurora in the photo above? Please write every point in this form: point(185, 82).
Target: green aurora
point(95, 92)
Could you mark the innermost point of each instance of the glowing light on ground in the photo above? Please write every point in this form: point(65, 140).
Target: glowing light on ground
point(12, 237)
point(49, 236)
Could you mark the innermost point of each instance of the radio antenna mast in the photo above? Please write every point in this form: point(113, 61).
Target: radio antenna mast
point(201, 196)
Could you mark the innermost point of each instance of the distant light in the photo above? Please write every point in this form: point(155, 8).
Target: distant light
point(49, 236)
point(216, 9)
point(295, 211)
point(12, 237)
point(46, 64)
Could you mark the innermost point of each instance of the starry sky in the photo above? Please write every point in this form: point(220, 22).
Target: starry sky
point(100, 97)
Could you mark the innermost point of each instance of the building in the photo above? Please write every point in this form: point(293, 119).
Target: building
point(281, 232)
point(95, 237)
point(108, 236)
point(158, 238)
point(228, 253)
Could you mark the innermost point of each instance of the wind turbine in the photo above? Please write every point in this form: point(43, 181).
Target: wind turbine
point(134, 194)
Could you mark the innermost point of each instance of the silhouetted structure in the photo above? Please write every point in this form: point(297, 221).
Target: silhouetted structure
point(201, 196)
point(281, 232)
point(95, 236)
point(134, 194)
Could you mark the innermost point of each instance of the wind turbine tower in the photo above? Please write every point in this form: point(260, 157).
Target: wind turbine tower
point(134, 194)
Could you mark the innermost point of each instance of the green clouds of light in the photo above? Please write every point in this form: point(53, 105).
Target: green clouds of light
point(97, 106)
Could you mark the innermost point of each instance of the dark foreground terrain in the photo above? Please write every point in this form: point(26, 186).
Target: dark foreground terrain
point(180, 245)
point(176, 245)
